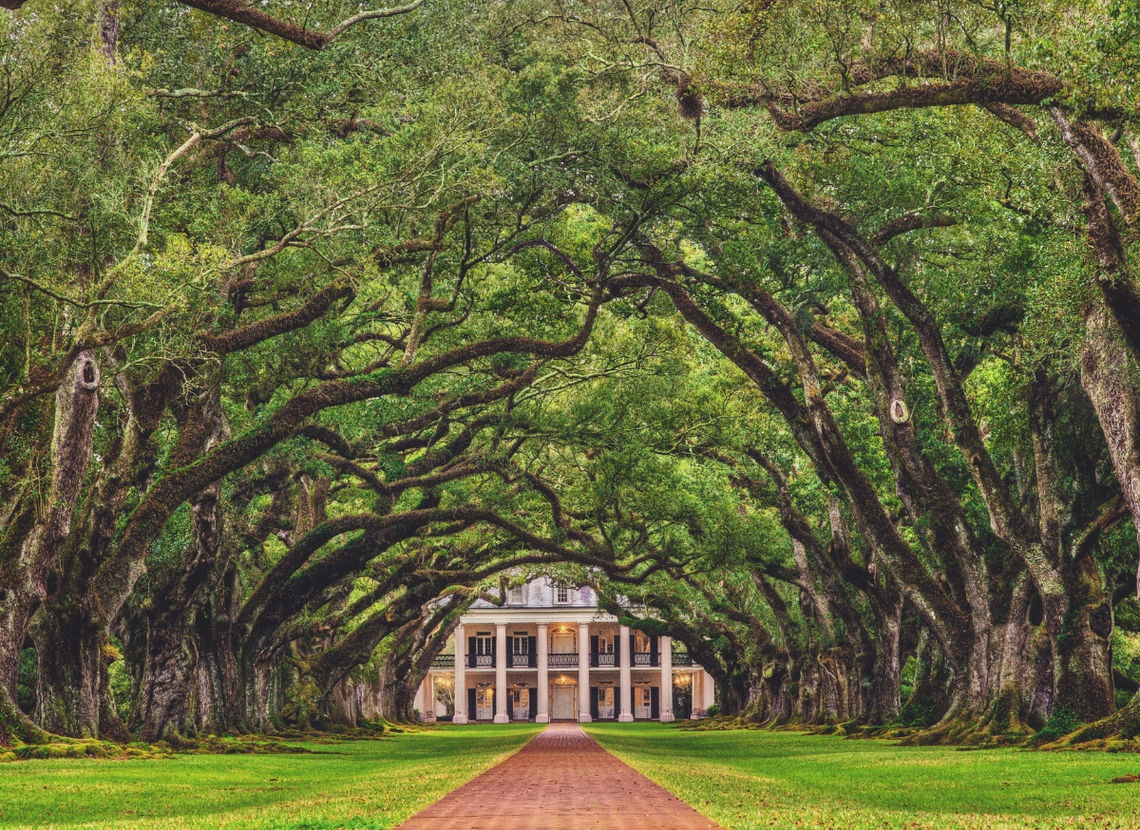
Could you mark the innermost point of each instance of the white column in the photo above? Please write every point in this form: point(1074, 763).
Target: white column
point(666, 694)
point(584, 673)
point(625, 693)
point(418, 700)
point(694, 690)
point(708, 690)
point(542, 641)
point(459, 690)
point(501, 673)
point(425, 699)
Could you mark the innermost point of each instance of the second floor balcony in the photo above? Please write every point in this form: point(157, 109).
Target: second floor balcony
point(562, 660)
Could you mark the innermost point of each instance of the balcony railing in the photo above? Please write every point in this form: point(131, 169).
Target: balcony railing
point(558, 660)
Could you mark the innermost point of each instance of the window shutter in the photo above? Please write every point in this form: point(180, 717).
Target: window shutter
point(471, 651)
point(471, 704)
point(654, 702)
point(532, 653)
point(594, 702)
point(593, 649)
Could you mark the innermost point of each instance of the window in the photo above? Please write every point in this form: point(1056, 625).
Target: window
point(484, 650)
point(520, 650)
point(606, 696)
point(516, 595)
point(646, 696)
point(607, 645)
point(561, 594)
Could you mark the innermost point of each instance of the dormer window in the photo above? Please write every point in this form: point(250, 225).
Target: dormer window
point(516, 595)
point(561, 595)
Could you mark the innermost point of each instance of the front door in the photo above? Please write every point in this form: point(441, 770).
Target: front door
point(562, 702)
point(484, 703)
point(606, 702)
point(642, 702)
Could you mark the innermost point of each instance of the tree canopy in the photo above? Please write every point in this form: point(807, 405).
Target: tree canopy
point(813, 327)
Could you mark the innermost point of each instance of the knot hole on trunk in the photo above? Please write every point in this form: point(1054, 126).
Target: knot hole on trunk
point(89, 375)
point(900, 414)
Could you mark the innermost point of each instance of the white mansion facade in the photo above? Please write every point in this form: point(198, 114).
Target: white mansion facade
point(549, 653)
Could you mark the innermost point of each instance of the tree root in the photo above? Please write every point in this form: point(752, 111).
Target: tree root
point(1119, 732)
point(1001, 725)
point(720, 723)
point(58, 747)
point(16, 727)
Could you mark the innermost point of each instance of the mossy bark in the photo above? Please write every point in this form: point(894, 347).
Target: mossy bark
point(72, 679)
point(883, 702)
point(166, 701)
point(27, 562)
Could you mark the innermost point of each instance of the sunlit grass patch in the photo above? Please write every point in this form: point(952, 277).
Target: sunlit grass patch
point(750, 779)
point(357, 784)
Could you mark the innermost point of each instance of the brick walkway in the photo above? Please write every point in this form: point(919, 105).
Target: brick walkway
point(561, 780)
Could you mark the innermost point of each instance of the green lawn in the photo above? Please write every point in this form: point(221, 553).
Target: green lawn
point(741, 779)
point(357, 784)
point(750, 779)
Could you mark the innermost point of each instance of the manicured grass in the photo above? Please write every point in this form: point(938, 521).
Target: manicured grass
point(350, 784)
point(745, 779)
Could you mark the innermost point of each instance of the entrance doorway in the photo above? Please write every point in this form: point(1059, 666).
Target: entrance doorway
point(643, 702)
point(562, 702)
point(484, 702)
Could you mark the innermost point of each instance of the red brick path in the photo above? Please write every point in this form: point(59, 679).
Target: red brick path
point(561, 780)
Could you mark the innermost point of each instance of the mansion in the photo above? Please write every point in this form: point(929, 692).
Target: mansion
point(549, 653)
